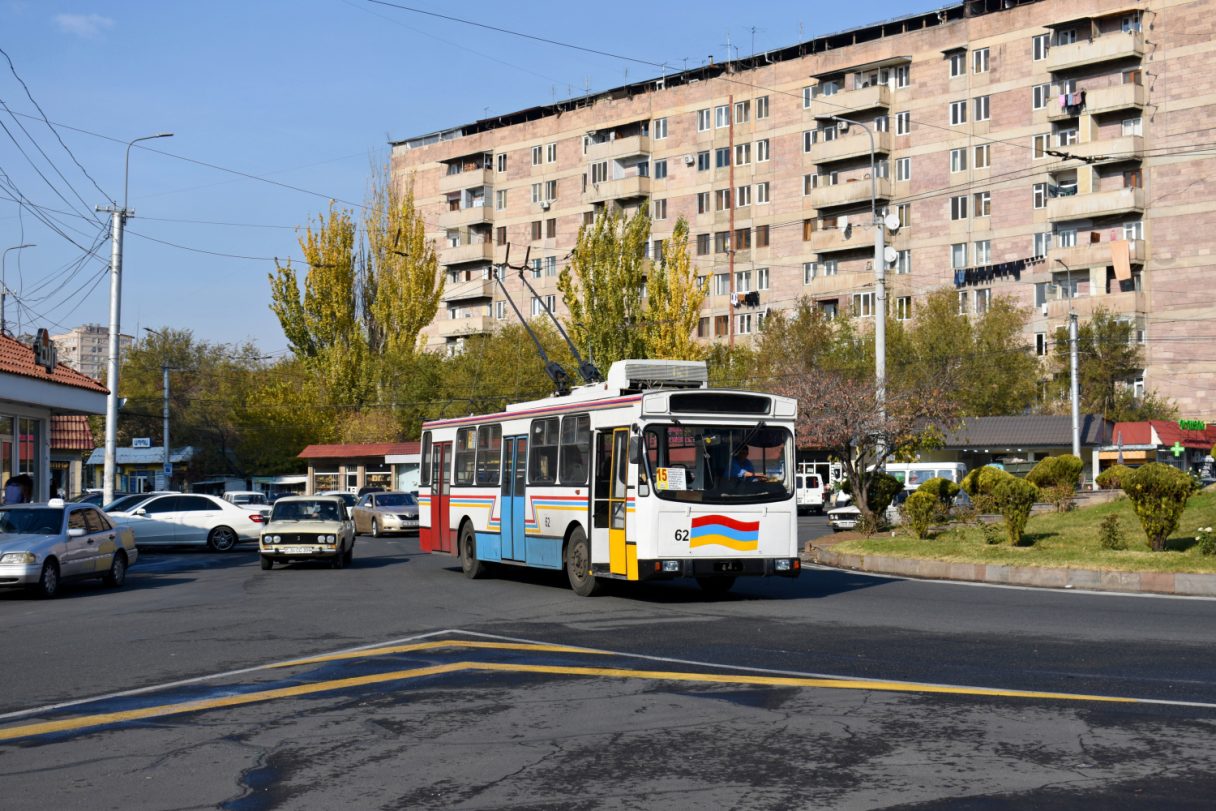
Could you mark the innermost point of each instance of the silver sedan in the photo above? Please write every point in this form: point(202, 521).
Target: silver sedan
point(41, 545)
point(380, 513)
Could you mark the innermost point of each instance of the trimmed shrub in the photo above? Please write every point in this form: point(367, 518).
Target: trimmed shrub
point(978, 484)
point(993, 535)
point(920, 511)
point(880, 491)
point(1205, 539)
point(1061, 495)
point(1112, 477)
point(1056, 470)
point(1014, 497)
point(1158, 493)
point(943, 490)
point(1110, 533)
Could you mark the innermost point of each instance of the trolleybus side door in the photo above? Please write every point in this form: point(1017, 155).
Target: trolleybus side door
point(514, 498)
point(441, 514)
point(620, 559)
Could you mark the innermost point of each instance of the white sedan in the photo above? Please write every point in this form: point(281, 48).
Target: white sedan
point(190, 518)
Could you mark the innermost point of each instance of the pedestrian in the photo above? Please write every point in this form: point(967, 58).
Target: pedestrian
point(26, 481)
point(12, 491)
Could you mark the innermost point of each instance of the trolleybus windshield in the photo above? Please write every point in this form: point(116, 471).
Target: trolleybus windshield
point(719, 464)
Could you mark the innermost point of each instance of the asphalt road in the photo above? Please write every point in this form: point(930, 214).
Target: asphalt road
point(836, 690)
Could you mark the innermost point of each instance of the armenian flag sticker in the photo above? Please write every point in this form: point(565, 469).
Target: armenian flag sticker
point(708, 530)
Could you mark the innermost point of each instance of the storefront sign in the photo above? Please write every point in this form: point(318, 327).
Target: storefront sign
point(1192, 425)
point(141, 442)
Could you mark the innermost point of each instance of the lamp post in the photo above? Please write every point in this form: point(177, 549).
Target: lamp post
point(1073, 387)
point(167, 469)
point(880, 282)
point(4, 283)
point(118, 218)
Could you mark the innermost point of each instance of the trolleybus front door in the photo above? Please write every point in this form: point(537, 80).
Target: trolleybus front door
point(441, 538)
point(515, 457)
point(619, 558)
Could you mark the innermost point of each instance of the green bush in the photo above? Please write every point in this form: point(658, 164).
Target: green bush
point(920, 511)
point(1061, 495)
point(992, 534)
point(1110, 533)
point(1205, 539)
point(1158, 493)
point(943, 490)
point(1014, 497)
point(978, 484)
point(1112, 477)
point(881, 490)
point(1056, 470)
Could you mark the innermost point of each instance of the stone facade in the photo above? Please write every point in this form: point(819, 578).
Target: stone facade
point(1064, 132)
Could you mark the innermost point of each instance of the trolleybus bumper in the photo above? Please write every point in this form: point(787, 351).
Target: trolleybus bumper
point(708, 567)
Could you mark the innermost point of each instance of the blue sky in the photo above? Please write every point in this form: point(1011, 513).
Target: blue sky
point(305, 93)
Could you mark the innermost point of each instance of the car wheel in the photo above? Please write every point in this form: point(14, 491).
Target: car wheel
point(350, 553)
point(716, 584)
point(578, 566)
point(267, 563)
point(473, 568)
point(48, 581)
point(221, 539)
point(118, 571)
point(339, 560)
point(375, 528)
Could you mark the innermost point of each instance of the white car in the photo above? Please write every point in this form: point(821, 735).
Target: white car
point(191, 518)
point(41, 545)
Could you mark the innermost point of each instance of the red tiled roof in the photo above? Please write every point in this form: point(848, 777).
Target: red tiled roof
point(1141, 433)
point(18, 359)
point(349, 451)
point(71, 432)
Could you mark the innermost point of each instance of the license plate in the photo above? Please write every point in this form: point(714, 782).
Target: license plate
point(296, 550)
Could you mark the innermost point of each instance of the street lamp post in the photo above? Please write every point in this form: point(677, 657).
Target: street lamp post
point(118, 218)
point(167, 468)
point(4, 283)
point(1073, 386)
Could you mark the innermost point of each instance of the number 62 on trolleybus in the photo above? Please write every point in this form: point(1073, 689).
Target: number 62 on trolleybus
point(648, 476)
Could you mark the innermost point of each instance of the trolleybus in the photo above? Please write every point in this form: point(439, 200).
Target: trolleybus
point(650, 475)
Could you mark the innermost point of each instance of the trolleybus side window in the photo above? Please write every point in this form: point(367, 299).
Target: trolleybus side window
point(466, 447)
point(489, 453)
point(575, 448)
point(424, 472)
point(542, 453)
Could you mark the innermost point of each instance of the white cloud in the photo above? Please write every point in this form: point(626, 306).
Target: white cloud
point(86, 26)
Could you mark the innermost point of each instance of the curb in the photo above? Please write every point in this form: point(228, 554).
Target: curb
point(1179, 584)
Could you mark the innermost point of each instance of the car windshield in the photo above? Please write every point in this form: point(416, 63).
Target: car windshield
point(718, 463)
point(36, 521)
point(395, 500)
point(319, 510)
point(124, 503)
point(249, 498)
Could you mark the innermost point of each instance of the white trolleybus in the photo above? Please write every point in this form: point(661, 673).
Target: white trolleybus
point(648, 476)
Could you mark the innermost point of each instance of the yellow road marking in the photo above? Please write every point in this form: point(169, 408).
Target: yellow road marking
point(454, 643)
point(85, 721)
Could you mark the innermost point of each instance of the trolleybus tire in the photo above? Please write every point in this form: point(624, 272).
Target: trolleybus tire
point(473, 568)
point(578, 566)
point(716, 584)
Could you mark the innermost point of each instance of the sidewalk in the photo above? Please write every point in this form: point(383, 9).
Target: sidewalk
point(820, 550)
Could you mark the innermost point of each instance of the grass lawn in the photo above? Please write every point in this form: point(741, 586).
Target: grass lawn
point(1060, 540)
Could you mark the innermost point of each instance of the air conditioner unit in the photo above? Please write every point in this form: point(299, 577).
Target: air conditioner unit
point(689, 160)
point(1044, 308)
point(544, 205)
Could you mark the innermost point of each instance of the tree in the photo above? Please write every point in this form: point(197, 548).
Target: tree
point(673, 301)
point(602, 287)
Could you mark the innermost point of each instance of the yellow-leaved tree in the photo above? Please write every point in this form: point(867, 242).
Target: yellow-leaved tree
point(673, 301)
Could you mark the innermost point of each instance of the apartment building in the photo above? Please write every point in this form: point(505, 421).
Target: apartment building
point(87, 348)
point(1051, 150)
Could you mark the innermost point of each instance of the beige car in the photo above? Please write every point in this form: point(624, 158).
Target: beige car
point(378, 514)
point(308, 528)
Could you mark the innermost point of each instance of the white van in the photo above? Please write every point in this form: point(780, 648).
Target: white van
point(810, 493)
point(914, 474)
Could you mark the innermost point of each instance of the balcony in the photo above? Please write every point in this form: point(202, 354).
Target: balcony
point(464, 217)
point(841, 283)
point(849, 101)
point(465, 180)
point(1094, 254)
point(855, 144)
point(463, 326)
point(1106, 48)
point(850, 193)
point(1129, 303)
point(618, 148)
point(832, 240)
point(464, 291)
point(620, 189)
point(1096, 204)
point(464, 254)
point(1109, 150)
point(1104, 100)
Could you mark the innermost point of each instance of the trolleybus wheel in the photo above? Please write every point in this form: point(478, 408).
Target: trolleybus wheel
point(473, 568)
point(578, 566)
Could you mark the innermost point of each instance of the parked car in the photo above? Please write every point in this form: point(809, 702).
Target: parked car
point(190, 518)
point(123, 501)
point(42, 545)
point(246, 498)
point(846, 515)
point(371, 488)
point(380, 513)
point(308, 528)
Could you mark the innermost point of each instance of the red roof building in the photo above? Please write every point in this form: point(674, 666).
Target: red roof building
point(1183, 444)
point(350, 467)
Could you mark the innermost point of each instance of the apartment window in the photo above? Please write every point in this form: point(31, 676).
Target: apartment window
point(588, 216)
point(903, 123)
point(983, 300)
point(743, 281)
point(958, 112)
point(550, 189)
point(983, 156)
point(1066, 37)
point(537, 153)
point(659, 128)
point(1040, 344)
point(1132, 76)
point(762, 150)
point(903, 169)
point(702, 202)
point(703, 120)
point(658, 209)
point(722, 157)
point(658, 252)
point(808, 184)
point(1133, 126)
point(762, 278)
point(808, 272)
point(808, 140)
point(500, 310)
point(1039, 94)
point(1067, 238)
point(551, 228)
point(882, 123)
point(722, 242)
point(1039, 145)
point(500, 199)
point(958, 255)
point(1133, 230)
point(743, 239)
point(702, 244)
point(863, 305)
point(904, 212)
point(703, 328)
point(982, 252)
point(536, 190)
point(1042, 243)
point(500, 235)
point(501, 159)
point(829, 267)
point(599, 172)
point(762, 193)
point(660, 169)
point(536, 263)
point(761, 236)
point(550, 265)
point(958, 207)
point(958, 160)
point(721, 116)
point(1066, 137)
point(703, 161)
point(743, 112)
point(963, 307)
point(903, 308)
point(983, 204)
point(762, 107)
point(1039, 45)
point(721, 324)
point(981, 108)
point(744, 323)
point(903, 75)
point(808, 229)
point(550, 153)
point(536, 229)
point(722, 200)
point(807, 95)
point(979, 60)
point(1040, 195)
point(903, 262)
point(721, 284)
point(743, 154)
point(743, 196)
point(958, 63)
point(540, 305)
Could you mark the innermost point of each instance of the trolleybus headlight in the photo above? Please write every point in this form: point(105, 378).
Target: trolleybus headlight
point(671, 565)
